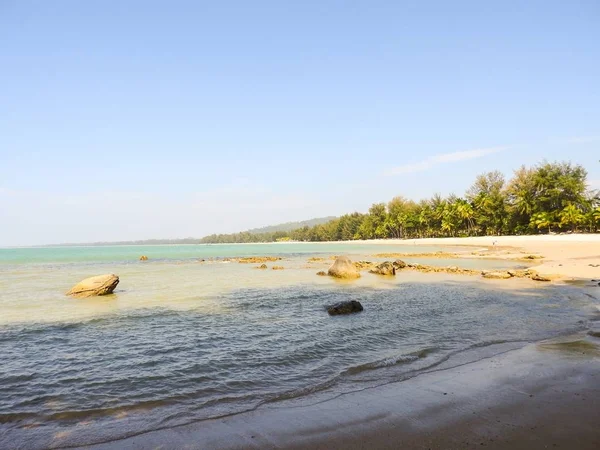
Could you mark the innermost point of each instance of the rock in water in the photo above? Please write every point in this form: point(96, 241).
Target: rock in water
point(322, 274)
point(98, 285)
point(496, 275)
point(262, 266)
point(343, 268)
point(143, 258)
point(349, 307)
point(537, 277)
point(399, 264)
point(385, 268)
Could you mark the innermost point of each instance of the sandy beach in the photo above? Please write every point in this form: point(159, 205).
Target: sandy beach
point(570, 256)
point(543, 395)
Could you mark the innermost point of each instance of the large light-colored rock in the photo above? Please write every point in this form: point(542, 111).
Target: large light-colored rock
point(343, 268)
point(98, 285)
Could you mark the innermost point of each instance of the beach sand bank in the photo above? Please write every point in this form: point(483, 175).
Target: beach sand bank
point(569, 256)
point(544, 395)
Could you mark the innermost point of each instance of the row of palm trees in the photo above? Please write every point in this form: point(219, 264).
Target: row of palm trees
point(541, 199)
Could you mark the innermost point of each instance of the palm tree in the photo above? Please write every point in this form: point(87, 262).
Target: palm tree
point(570, 215)
point(541, 220)
point(466, 213)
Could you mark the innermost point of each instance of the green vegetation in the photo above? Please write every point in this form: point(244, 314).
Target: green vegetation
point(546, 198)
point(289, 226)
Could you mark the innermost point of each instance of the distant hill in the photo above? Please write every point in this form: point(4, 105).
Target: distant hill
point(289, 226)
point(259, 232)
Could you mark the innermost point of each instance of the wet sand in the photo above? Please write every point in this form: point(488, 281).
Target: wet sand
point(544, 395)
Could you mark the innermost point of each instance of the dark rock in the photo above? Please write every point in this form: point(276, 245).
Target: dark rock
point(385, 268)
point(262, 266)
point(348, 307)
point(322, 273)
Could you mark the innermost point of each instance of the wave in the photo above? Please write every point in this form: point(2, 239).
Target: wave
point(391, 361)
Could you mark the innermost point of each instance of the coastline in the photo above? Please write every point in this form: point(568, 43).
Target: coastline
point(569, 256)
point(541, 395)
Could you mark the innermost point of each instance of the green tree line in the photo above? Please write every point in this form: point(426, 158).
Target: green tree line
point(549, 197)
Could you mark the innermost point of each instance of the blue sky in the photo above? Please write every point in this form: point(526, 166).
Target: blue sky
point(147, 119)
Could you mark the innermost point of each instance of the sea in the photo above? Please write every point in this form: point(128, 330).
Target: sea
point(192, 334)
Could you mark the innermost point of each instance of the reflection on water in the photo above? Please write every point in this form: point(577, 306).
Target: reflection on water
point(182, 340)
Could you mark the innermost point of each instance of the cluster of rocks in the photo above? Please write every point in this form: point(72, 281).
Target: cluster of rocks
point(520, 273)
point(346, 269)
point(257, 259)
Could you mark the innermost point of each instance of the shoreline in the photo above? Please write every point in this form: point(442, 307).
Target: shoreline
point(516, 398)
point(569, 256)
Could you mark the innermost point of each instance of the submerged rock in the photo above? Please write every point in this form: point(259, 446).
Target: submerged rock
point(385, 268)
point(520, 273)
point(498, 275)
point(343, 268)
point(256, 259)
point(348, 307)
point(98, 285)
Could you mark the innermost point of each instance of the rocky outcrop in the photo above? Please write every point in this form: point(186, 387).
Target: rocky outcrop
point(496, 275)
point(98, 285)
point(143, 258)
point(538, 277)
point(348, 307)
point(258, 259)
point(521, 273)
point(343, 268)
point(362, 265)
point(385, 268)
point(399, 264)
point(436, 269)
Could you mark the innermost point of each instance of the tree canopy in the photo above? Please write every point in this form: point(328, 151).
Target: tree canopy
point(552, 196)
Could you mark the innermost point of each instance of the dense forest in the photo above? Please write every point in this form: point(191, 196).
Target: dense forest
point(550, 197)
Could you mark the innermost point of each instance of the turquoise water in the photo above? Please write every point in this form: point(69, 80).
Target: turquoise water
point(120, 253)
point(182, 340)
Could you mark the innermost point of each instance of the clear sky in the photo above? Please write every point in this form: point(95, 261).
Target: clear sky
point(164, 119)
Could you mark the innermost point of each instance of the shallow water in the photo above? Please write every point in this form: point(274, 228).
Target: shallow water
point(181, 341)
